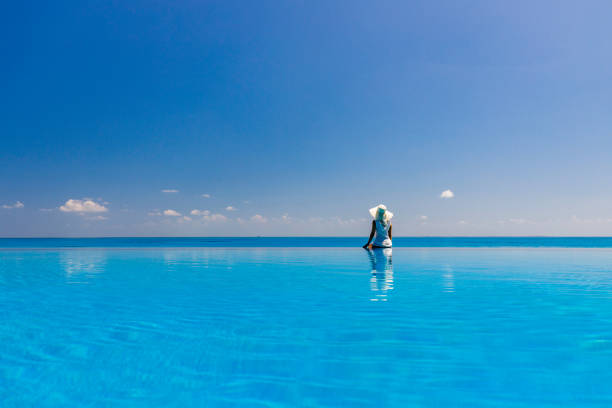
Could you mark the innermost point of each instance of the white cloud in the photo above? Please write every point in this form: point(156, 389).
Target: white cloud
point(215, 217)
point(83, 206)
point(259, 218)
point(230, 208)
point(447, 194)
point(423, 218)
point(200, 212)
point(169, 190)
point(206, 195)
point(172, 213)
point(462, 222)
point(17, 204)
point(154, 213)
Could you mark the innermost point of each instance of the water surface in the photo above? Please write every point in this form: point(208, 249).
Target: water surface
point(311, 327)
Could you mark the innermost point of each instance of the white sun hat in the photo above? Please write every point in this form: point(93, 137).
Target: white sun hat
point(380, 212)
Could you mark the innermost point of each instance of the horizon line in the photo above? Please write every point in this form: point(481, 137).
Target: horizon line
point(303, 236)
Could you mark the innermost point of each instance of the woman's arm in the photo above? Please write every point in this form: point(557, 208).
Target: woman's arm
point(371, 234)
point(390, 228)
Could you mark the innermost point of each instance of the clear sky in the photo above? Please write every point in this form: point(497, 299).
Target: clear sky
point(296, 117)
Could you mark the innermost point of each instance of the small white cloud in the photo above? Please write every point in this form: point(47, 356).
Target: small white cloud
point(230, 208)
point(206, 195)
point(172, 213)
point(169, 190)
point(423, 217)
point(83, 206)
point(259, 218)
point(17, 204)
point(447, 194)
point(200, 212)
point(185, 218)
point(215, 217)
point(46, 209)
point(154, 213)
point(462, 222)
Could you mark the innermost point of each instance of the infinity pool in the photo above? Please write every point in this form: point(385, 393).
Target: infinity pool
point(305, 327)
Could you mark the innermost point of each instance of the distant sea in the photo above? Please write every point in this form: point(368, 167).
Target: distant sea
point(316, 242)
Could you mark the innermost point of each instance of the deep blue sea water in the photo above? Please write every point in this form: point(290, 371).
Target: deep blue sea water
point(287, 242)
point(222, 323)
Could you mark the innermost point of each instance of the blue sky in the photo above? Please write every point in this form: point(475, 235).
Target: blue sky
point(300, 116)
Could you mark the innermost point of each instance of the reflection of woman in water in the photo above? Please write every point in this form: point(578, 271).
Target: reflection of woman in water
point(382, 272)
point(381, 228)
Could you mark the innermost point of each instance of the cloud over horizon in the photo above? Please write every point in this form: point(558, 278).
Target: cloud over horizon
point(447, 194)
point(82, 206)
point(169, 190)
point(259, 218)
point(18, 204)
point(215, 217)
point(200, 212)
point(172, 213)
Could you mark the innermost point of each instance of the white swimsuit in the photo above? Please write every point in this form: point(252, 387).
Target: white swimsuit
point(381, 238)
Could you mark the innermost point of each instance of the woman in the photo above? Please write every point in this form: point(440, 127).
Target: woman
point(381, 227)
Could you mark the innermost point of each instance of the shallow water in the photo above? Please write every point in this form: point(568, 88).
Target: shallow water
point(308, 327)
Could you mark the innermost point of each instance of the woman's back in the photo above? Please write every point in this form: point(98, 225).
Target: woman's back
point(382, 234)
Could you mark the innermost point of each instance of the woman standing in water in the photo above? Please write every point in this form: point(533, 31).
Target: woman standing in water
point(381, 228)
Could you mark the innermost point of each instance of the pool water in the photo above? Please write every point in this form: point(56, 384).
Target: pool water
point(305, 327)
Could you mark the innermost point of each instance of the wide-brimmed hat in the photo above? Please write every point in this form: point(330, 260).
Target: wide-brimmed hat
point(381, 212)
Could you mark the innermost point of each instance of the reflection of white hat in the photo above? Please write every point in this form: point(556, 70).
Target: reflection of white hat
point(380, 212)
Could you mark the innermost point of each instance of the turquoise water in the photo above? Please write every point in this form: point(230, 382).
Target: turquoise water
point(178, 326)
